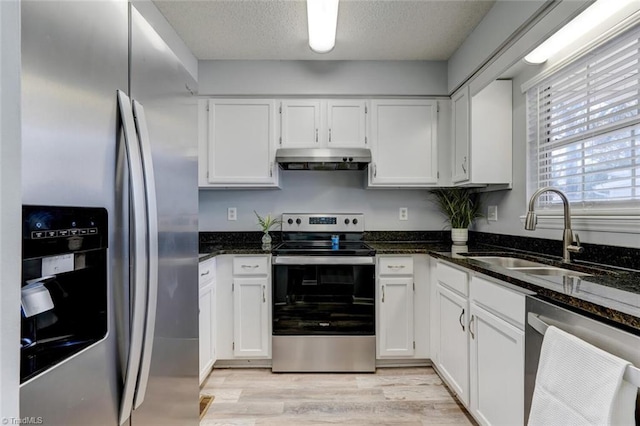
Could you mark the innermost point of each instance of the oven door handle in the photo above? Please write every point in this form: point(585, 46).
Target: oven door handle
point(323, 260)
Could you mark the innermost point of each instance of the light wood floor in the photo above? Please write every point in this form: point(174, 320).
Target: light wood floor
point(391, 396)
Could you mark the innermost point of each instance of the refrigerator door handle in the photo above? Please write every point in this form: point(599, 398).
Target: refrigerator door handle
point(138, 256)
point(152, 234)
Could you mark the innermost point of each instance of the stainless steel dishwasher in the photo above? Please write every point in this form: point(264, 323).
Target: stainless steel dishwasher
point(607, 337)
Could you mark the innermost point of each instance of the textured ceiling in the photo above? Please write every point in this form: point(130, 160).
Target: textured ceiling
point(367, 29)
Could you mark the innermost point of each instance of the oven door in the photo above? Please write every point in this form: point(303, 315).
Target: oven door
point(323, 296)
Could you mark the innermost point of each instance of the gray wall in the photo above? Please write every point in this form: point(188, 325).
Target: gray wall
point(504, 18)
point(322, 78)
point(320, 191)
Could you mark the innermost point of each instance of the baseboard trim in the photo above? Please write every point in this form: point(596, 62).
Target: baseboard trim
point(384, 363)
point(242, 363)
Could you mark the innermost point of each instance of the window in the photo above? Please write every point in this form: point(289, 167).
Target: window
point(584, 128)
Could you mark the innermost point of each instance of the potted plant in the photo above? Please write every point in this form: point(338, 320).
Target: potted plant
point(266, 223)
point(461, 206)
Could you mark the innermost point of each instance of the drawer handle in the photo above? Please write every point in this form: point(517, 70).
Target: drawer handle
point(204, 273)
point(460, 319)
point(473, 336)
point(382, 294)
point(324, 324)
point(250, 266)
point(264, 298)
point(395, 266)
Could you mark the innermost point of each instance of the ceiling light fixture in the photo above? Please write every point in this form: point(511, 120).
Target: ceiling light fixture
point(595, 14)
point(322, 18)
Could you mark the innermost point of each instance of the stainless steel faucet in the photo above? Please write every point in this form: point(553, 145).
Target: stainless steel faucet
point(567, 238)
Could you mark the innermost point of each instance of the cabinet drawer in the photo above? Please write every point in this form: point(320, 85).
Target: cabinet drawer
point(206, 272)
point(250, 265)
point(499, 300)
point(395, 265)
point(453, 278)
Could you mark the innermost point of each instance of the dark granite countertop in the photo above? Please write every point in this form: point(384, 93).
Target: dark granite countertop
point(611, 294)
point(207, 252)
point(411, 247)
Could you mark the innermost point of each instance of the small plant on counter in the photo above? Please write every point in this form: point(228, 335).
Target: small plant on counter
point(461, 206)
point(266, 223)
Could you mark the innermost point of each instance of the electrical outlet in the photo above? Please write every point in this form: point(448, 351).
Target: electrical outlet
point(403, 213)
point(232, 213)
point(492, 213)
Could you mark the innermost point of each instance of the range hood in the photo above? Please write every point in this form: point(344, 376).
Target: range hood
point(323, 158)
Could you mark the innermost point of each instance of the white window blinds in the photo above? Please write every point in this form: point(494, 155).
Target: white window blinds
point(584, 127)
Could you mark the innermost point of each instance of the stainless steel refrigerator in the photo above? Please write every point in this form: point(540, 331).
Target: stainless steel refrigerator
point(110, 120)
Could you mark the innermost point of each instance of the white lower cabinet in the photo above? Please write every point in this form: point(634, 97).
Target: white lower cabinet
point(478, 343)
point(206, 318)
point(250, 317)
point(402, 326)
point(453, 341)
point(396, 317)
point(243, 324)
point(497, 369)
point(496, 328)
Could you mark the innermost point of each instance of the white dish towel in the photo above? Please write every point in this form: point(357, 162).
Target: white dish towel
point(580, 384)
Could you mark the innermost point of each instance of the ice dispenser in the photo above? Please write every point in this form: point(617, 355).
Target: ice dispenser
point(64, 284)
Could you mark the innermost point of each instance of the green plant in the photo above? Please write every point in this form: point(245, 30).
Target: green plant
point(267, 222)
point(461, 206)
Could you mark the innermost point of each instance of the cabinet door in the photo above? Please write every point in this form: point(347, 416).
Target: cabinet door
point(454, 343)
point(346, 121)
point(205, 324)
point(300, 124)
point(396, 317)
point(251, 317)
point(497, 369)
point(460, 136)
point(242, 142)
point(404, 143)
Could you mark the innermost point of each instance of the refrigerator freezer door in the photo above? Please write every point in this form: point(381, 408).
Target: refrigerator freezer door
point(74, 58)
point(163, 86)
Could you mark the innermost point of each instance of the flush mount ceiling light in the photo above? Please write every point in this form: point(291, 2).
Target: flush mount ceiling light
point(322, 18)
point(595, 14)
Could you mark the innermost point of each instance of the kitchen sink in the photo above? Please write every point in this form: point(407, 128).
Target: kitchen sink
point(551, 271)
point(507, 262)
point(528, 266)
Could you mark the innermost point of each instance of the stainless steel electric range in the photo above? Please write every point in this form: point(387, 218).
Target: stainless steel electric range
point(323, 295)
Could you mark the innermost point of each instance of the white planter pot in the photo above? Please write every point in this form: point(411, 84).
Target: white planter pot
point(459, 236)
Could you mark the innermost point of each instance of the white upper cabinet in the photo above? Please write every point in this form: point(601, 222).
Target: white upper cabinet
point(346, 122)
point(241, 143)
point(404, 143)
point(460, 135)
point(309, 123)
point(482, 135)
point(300, 123)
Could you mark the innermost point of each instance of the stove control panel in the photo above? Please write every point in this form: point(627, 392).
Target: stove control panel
point(322, 222)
